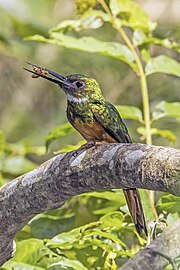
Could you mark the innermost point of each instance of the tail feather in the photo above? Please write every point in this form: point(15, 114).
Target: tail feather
point(135, 207)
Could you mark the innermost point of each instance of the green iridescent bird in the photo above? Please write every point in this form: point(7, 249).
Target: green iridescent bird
point(97, 120)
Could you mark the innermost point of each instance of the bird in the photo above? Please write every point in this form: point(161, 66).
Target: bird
point(97, 120)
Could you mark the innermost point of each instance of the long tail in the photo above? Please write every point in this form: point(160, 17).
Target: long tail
point(135, 207)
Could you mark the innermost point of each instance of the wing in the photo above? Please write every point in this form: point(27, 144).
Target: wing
point(107, 115)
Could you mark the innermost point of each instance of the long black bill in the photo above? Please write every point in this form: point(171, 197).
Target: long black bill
point(38, 71)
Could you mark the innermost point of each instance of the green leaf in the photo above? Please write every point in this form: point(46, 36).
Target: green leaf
point(166, 109)
point(58, 132)
point(13, 265)
point(17, 165)
point(169, 135)
point(169, 203)
point(142, 38)
point(47, 227)
point(147, 206)
point(92, 19)
point(90, 44)
point(67, 264)
point(67, 239)
point(131, 15)
point(130, 112)
point(163, 64)
point(28, 251)
point(103, 202)
point(139, 37)
point(112, 220)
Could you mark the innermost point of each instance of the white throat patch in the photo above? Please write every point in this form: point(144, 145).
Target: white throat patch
point(76, 100)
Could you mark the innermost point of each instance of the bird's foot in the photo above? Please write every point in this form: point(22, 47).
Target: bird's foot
point(87, 146)
point(84, 147)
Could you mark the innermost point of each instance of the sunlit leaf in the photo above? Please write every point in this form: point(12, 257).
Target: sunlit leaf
point(166, 109)
point(147, 206)
point(130, 112)
point(132, 14)
point(163, 64)
point(139, 37)
point(92, 19)
point(169, 203)
point(112, 220)
point(154, 131)
point(20, 266)
point(142, 38)
point(90, 44)
point(66, 239)
point(29, 251)
point(17, 165)
point(58, 132)
point(106, 233)
point(67, 264)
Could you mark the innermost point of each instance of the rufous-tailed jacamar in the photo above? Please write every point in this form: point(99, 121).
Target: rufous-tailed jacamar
point(97, 120)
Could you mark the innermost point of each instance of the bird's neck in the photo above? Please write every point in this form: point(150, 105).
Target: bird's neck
point(84, 99)
point(73, 99)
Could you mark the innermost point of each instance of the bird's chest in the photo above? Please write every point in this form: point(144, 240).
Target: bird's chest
point(82, 119)
point(79, 112)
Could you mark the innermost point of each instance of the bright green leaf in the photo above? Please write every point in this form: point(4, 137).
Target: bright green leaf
point(169, 135)
point(67, 239)
point(167, 43)
point(28, 251)
point(107, 234)
point(90, 44)
point(139, 37)
point(67, 264)
point(17, 165)
point(58, 132)
point(92, 19)
point(169, 203)
point(147, 206)
point(13, 265)
point(130, 112)
point(131, 15)
point(112, 220)
point(166, 109)
point(163, 64)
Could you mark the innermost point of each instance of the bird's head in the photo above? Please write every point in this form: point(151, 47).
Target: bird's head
point(76, 86)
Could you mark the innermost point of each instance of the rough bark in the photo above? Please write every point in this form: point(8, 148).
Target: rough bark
point(101, 168)
point(162, 251)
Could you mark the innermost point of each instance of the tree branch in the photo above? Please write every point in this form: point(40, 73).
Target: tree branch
point(162, 251)
point(104, 167)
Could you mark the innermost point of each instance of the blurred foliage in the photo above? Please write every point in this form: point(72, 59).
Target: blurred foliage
point(94, 230)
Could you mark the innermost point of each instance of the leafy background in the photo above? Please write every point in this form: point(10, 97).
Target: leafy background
point(78, 37)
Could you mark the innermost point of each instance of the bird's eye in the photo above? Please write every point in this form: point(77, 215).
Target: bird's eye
point(79, 84)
